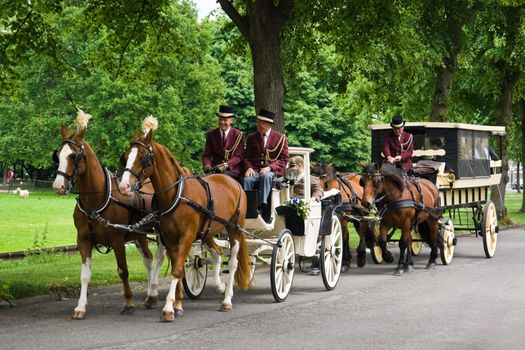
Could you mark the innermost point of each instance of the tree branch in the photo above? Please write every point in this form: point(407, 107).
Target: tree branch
point(240, 21)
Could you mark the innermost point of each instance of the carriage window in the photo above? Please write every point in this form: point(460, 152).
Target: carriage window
point(481, 149)
point(465, 147)
point(435, 143)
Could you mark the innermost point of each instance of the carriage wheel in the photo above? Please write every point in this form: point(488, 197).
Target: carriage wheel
point(416, 245)
point(331, 254)
point(195, 272)
point(283, 266)
point(489, 229)
point(447, 249)
point(375, 250)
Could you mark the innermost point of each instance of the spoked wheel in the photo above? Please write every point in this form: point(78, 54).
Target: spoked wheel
point(449, 241)
point(195, 272)
point(416, 245)
point(489, 229)
point(375, 250)
point(331, 254)
point(283, 266)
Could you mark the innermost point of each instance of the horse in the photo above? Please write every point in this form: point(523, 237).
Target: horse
point(353, 211)
point(403, 203)
point(100, 205)
point(189, 207)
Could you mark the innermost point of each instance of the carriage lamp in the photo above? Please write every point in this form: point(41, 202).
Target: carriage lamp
point(291, 174)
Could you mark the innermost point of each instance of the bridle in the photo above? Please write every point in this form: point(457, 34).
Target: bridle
point(377, 179)
point(78, 157)
point(145, 161)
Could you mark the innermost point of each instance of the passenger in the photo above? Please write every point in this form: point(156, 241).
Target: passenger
point(398, 145)
point(435, 143)
point(316, 191)
point(224, 149)
point(266, 156)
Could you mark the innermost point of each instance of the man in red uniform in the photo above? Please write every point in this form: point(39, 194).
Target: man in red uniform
point(224, 149)
point(398, 145)
point(266, 156)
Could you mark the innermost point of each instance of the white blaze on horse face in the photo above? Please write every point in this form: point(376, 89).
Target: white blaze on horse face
point(59, 183)
point(125, 183)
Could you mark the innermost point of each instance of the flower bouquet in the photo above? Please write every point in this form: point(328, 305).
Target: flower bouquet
point(300, 206)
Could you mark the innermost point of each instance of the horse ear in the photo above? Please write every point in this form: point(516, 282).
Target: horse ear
point(65, 132)
point(363, 164)
point(148, 137)
point(136, 135)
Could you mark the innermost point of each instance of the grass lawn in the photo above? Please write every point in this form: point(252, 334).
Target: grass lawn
point(45, 220)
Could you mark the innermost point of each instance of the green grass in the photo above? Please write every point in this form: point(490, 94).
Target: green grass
point(44, 217)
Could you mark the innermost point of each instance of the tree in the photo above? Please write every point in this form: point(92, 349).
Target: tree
point(261, 23)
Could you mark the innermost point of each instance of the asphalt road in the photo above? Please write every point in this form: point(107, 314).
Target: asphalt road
point(474, 303)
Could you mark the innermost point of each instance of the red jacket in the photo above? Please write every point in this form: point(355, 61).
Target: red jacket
point(232, 153)
point(404, 146)
point(274, 155)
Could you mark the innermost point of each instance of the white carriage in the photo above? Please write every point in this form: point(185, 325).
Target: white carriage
point(279, 235)
point(459, 159)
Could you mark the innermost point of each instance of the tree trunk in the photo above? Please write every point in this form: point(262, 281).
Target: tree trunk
point(262, 26)
point(444, 77)
point(522, 104)
point(504, 117)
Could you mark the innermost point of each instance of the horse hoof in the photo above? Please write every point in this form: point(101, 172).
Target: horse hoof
point(388, 257)
point(167, 316)
point(430, 265)
point(399, 270)
point(179, 312)
point(79, 315)
point(225, 307)
point(127, 310)
point(409, 268)
point(345, 268)
point(361, 261)
point(150, 303)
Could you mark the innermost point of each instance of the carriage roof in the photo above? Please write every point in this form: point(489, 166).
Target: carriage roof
point(494, 130)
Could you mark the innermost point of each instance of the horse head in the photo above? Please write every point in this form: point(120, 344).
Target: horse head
point(371, 181)
point(326, 173)
point(138, 161)
point(70, 156)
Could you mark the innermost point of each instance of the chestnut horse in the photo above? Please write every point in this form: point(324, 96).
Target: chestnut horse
point(100, 203)
point(190, 208)
point(403, 203)
point(351, 191)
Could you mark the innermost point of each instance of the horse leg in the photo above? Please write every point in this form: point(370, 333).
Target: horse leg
point(122, 269)
point(216, 260)
point(84, 248)
point(407, 237)
point(361, 248)
point(226, 304)
point(401, 262)
point(153, 270)
point(347, 254)
point(173, 306)
point(433, 240)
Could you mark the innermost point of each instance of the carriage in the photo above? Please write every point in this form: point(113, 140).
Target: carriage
point(459, 160)
point(279, 236)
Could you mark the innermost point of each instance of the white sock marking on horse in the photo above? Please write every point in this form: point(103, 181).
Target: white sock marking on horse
point(85, 277)
point(161, 253)
point(59, 182)
point(232, 266)
point(170, 298)
point(216, 258)
point(147, 264)
point(125, 182)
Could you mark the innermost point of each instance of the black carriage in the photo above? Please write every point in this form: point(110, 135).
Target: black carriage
point(462, 160)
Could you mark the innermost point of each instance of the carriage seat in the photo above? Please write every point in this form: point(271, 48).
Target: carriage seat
point(428, 169)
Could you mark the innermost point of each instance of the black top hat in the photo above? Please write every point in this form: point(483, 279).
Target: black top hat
point(226, 112)
point(397, 121)
point(265, 116)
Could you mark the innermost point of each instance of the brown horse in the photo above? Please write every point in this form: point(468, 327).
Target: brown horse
point(98, 201)
point(403, 203)
point(351, 191)
point(190, 208)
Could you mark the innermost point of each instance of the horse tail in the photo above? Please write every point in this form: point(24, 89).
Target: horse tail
point(243, 275)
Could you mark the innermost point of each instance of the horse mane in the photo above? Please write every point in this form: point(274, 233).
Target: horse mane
point(165, 152)
point(392, 172)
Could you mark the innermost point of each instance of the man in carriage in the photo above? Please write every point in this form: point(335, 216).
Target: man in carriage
point(398, 145)
point(224, 148)
point(266, 157)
